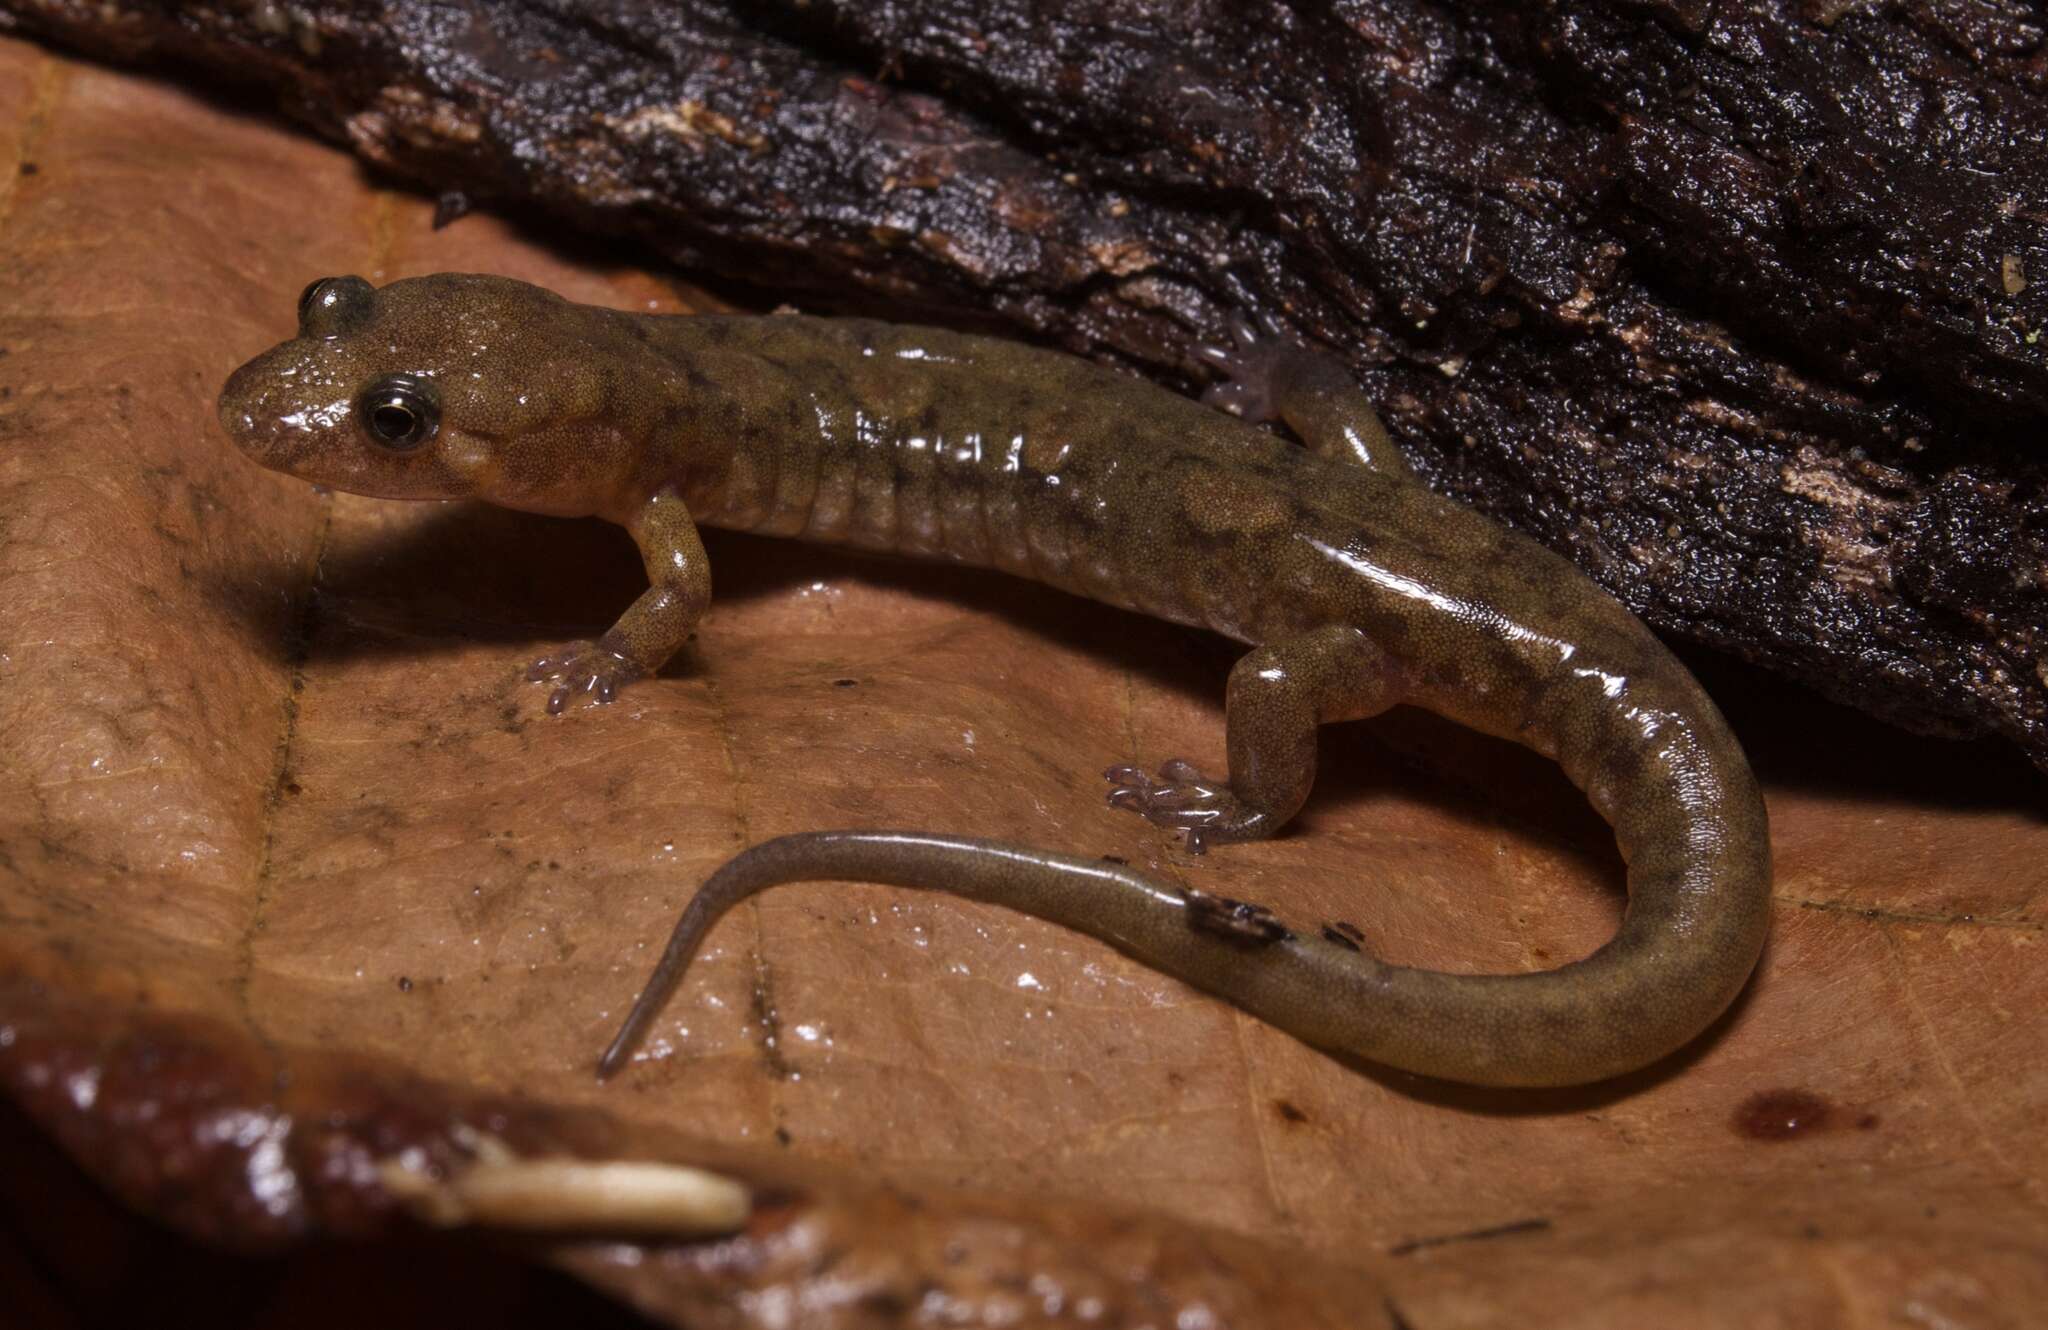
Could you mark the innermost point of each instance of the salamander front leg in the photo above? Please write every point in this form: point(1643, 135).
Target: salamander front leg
point(654, 627)
point(1270, 376)
point(1278, 695)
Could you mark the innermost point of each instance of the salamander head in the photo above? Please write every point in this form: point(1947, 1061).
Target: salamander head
point(451, 386)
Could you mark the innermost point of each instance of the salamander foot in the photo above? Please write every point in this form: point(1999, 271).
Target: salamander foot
point(1250, 366)
point(584, 669)
point(1181, 796)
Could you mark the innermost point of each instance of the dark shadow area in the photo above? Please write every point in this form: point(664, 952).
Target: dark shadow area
point(1798, 740)
point(1454, 767)
point(474, 573)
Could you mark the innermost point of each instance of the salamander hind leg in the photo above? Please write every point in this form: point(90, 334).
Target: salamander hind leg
point(1278, 695)
point(1267, 375)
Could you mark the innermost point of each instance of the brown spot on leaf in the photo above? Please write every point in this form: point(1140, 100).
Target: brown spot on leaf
point(1782, 1115)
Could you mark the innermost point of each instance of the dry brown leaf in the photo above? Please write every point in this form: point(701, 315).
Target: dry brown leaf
point(295, 874)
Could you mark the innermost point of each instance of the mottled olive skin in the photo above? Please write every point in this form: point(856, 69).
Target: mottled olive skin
point(1357, 587)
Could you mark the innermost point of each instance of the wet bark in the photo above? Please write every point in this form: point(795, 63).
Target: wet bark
point(1739, 307)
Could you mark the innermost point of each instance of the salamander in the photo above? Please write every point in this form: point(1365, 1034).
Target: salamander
point(1354, 587)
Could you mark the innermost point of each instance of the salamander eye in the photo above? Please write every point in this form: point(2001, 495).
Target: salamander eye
point(330, 306)
point(400, 411)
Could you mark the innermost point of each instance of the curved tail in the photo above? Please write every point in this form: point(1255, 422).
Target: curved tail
point(1692, 933)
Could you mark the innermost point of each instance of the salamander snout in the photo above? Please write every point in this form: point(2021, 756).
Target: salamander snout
point(265, 409)
point(367, 433)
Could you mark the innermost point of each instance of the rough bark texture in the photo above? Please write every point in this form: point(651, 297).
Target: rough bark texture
point(1737, 305)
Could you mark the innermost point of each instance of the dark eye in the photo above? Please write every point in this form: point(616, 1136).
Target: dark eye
point(400, 411)
point(330, 307)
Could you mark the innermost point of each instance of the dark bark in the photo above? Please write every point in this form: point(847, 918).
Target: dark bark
point(1738, 306)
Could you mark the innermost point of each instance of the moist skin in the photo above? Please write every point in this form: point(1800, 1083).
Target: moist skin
point(1355, 588)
